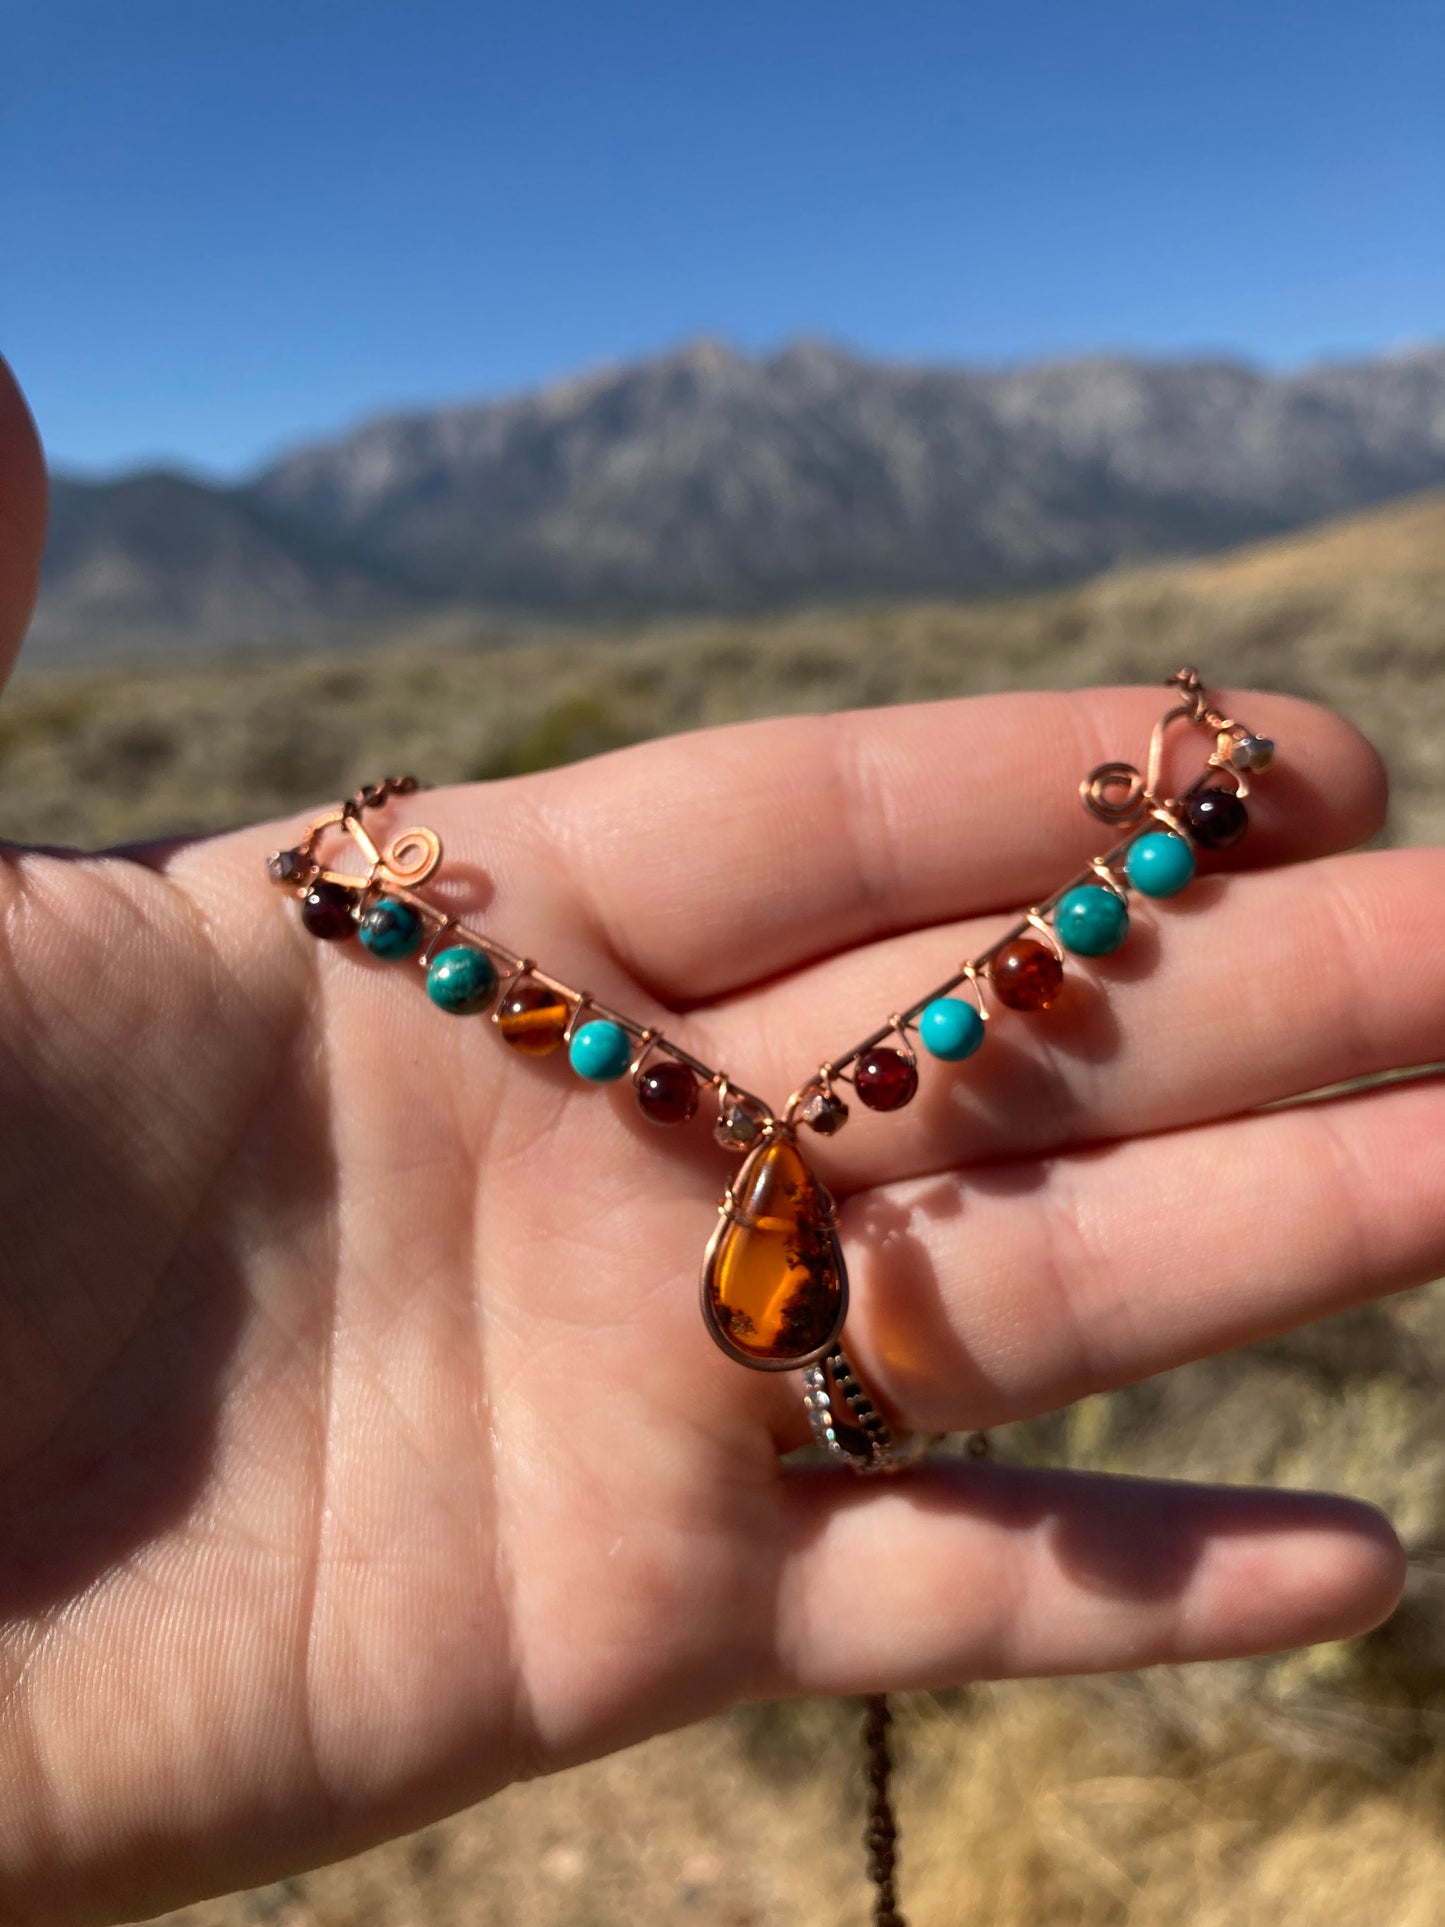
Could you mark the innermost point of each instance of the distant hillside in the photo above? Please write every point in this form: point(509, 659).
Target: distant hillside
point(706, 479)
point(1398, 542)
point(162, 561)
point(1352, 611)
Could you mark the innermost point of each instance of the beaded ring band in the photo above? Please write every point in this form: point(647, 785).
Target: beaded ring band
point(774, 1282)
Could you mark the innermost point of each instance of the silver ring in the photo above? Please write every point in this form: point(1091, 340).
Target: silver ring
point(848, 1425)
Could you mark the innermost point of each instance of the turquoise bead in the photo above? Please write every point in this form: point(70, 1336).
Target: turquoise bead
point(1160, 864)
point(600, 1051)
point(462, 979)
point(950, 1028)
point(1091, 920)
point(391, 929)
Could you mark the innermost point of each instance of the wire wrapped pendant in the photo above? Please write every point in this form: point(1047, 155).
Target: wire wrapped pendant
point(774, 1285)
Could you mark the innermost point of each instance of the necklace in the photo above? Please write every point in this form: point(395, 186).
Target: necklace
point(774, 1284)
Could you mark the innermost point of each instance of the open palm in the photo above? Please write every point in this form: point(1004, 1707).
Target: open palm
point(361, 1446)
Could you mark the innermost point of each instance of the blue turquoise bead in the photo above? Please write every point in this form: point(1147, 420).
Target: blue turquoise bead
point(391, 929)
point(950, 1028)
point(1160, 864)
point(1091, 920)
point(462, 979)
point(600, 1051)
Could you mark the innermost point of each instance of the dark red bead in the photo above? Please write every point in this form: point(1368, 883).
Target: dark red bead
point(1215, 818)
point(885, 1079)
point(326, 911)
point(1026, 974)
point(667, 1092)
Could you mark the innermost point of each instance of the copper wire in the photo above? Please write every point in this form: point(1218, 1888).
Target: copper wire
point(1140, 809)
point(398, 873)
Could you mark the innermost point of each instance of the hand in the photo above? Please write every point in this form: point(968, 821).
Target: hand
point(361, 1447)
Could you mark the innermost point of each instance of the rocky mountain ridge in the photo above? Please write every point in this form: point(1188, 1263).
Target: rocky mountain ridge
point(710, 479)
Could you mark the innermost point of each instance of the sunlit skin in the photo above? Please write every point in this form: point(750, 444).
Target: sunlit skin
point(361, 1445)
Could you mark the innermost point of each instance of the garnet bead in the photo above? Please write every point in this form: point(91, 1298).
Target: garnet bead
point(533, 1018)
point(885, 1079)
point(1216, 818)
point(1026, 974)
point(667, 1092)
point(326, 911)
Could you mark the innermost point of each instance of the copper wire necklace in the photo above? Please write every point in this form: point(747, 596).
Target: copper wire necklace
point(774, 1290)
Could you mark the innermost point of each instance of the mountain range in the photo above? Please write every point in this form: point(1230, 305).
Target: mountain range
point(710, 479)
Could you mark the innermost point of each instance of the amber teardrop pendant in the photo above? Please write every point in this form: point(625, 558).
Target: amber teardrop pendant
point(774, 1286)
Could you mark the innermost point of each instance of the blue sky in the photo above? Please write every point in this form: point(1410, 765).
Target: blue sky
point(230, 227)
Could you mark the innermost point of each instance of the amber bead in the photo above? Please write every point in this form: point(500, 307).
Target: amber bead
point(775, 1290)
point(533, 1018)
point(1026, 974)
point(1216, 818)
point(667, 1092)
point(326, 911)
point(885, 1079)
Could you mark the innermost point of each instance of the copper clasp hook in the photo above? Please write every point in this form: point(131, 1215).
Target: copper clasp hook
point(405, 864)
point(1116, 792)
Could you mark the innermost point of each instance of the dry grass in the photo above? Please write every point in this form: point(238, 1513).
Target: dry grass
point(1024, 1804)
point(1303, 1790)
point(100, 756)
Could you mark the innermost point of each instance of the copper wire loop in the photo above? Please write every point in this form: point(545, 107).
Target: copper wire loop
point(1124, 799)
point(412, 856)
point(585, 1002)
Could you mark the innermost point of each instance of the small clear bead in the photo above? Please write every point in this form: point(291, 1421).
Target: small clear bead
point(737, 1128)
point(1252, 752)
point(824, 1112)
point(288, 866)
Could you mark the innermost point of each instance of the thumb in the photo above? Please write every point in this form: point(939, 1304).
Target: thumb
point(23, 504)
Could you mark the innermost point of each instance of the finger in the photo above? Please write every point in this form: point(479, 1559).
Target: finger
point(1244, 991)
point(970, 1571)
point(985, 1297)
point(22, 517)
point(717, 859)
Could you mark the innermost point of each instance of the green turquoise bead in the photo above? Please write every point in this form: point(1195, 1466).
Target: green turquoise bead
point(950, 1028)
point(390, 929)
point(1160, 864)
point(462, 979)
point(1091, 920)
point(600, 1051)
